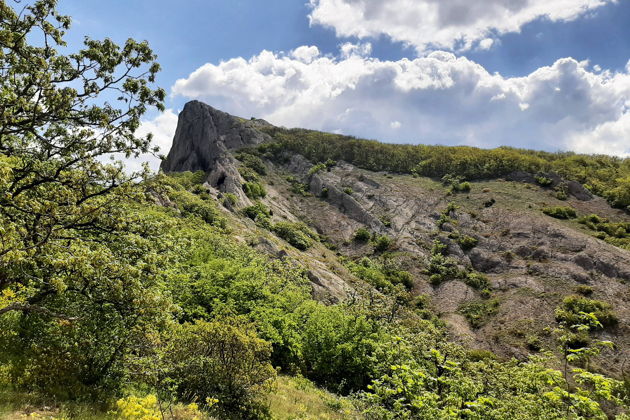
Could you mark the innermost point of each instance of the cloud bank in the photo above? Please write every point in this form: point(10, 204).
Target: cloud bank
point(438, 98)
point(444, 24)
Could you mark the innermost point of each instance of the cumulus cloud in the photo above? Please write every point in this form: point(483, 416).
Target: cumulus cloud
point(163, 129)
point(446, 24)
point(439, 98)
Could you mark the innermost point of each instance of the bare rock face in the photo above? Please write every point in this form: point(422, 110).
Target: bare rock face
point(202, 142)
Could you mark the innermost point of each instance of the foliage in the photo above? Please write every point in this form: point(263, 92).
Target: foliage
point(259, 213)
point(222, 360)
point(467, 242)
point(139, 408)
point(543, 181)
point(383, 275)
point(478, 312)
point(78, 266)
point(362, 235)
point(574, 308)
point(347, 190)
point(382, 243)
point(297, 234)
point(560, 212)
point(617, 234)
point(477, 280)
point(254, 190)
point(252, 161)
point(606, 176)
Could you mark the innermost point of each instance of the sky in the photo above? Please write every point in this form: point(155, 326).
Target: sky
point(541, 74)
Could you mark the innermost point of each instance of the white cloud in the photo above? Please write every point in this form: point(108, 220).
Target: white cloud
point(486, 44)
point(449, 24)
point(439, 98)
point(163, 129)
point(349, 49)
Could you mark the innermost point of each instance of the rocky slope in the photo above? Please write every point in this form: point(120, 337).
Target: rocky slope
point(532, 261)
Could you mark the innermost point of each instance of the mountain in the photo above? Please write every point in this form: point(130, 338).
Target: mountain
point(495, 244)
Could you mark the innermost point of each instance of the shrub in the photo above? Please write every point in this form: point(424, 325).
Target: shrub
point(324, 193)
point(317, 168)
point(252, 161)
point(362, 235)
point(584, 290)
point(230, 199)
point(573, 309)
point(562, 195)
point(192, 205)
point(477, 280)
point(560, 212)
point(348, 190)
point(382, 243)
point(467, 242)
point(224, 361)
point(258, 212)
point(478, 312)
point(297, 234)
point(338, 347)
point(248, 174)
point(300, 189)
point(543, 181)
point(187, 179)
point(254, 190)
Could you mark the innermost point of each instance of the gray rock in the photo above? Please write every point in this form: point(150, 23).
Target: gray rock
point(202, 142)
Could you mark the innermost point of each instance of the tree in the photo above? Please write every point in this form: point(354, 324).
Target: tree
point(76, 264)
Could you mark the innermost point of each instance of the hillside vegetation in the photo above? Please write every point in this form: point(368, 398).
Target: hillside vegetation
point(147, 297)
point(605, 176)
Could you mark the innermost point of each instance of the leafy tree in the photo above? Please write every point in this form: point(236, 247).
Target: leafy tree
point(77, 267)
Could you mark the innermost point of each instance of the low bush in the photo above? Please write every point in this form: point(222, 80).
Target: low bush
point(573, 309)
point(382, 243)
point(297, 234)
point(254, 190)
point(362, 235)
point(467, 242)
point(478, 312)
point(560, 212)
point(477, 280)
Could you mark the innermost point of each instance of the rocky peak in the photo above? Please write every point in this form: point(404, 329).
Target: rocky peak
point(205, 134)
point(202, 142)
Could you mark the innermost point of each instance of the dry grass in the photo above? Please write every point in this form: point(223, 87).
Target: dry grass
point(298, 398)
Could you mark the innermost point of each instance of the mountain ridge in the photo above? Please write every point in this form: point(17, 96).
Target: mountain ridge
point(517, 256)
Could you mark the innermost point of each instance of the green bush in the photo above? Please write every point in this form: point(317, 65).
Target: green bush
point(383, 243)
point(478, 312)
point(192, 205)
point(571, 311)
point(230, 199)
point(560, 212)
point(467, 242)
point(297, 234)
point(324, 193)
point(348, 190)
point(317, 168)
point(252, 161)
point(477, 280)
point(259, 213)
point(362, 235)
point(248, 174)
point(254, 190)
point(223, 360)
point(543, 181)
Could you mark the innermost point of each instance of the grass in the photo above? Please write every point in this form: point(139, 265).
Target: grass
point(21, 405)
point(297, 398)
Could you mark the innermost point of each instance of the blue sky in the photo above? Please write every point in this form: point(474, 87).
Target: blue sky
point(389, 82)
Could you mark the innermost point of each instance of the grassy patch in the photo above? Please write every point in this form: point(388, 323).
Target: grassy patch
point(298, 398)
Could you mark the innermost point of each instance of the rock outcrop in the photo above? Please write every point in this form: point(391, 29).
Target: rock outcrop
point(203, 140)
